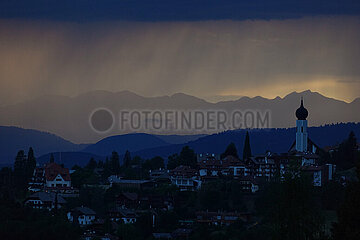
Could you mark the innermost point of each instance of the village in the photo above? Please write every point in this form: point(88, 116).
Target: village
point(106, 199)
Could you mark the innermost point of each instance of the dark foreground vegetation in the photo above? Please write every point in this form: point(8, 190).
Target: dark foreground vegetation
point(287, 207)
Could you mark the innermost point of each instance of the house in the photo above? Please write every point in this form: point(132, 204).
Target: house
point(90, 235)
point(160, 176)
point(207, 156)
point(37, 182)
point(57, 176)
point(221, 218)
point(320, 174)
point(249, 184)
point(57, 179)
point(212, 168)
point(127, 200)
point(186, 178)
point(82, 215)
point(156, 201)
point(52, 177)
point(262, 166)
point(234, 166)
point(45, 200)
point(150, 200)
point(122, 214)
point(130, 183)
point(133, 184)
point(181, 233)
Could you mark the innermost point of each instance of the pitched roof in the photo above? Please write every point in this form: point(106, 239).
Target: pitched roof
point(226, 162)
point(184, 171)
point(52, 170)
point(85, 210)
point(132, 181)
point(131, 195)
point(47, 197)
point(124, 212)
point(310, 144)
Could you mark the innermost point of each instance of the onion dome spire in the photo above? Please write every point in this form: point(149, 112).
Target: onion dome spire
point(301, 112)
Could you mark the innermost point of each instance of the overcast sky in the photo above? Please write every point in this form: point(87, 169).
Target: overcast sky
point(268, 49)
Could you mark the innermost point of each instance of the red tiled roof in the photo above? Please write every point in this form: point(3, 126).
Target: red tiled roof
point(210, 164)
point(312, 168)
point(54, 169)
point(227, 162)
point(183, 171)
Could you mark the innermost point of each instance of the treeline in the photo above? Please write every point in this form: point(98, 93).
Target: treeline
point(347, 154)
point(14, 181)
point(131, 168)
point(20, 222)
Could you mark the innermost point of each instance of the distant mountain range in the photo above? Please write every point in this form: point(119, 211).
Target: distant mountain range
point(68, 117)
point(132, 142)
point(261, 140)
point(13, 139)
point(279, 140)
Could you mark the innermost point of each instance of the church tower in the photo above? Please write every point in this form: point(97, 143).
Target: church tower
point(301, 128)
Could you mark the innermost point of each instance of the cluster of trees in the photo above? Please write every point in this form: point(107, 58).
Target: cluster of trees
point(16, 179)
point(131, 168)
point(288, 208)
point(187, 157)
point(291, 209)
point(23, 168)
point(231, 149)
point(20, 222)
point(347, 155)
point(348, 213)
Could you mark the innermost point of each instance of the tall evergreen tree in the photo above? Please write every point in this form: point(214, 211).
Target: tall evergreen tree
point(100, 164)
point(230, 150)
point(173, 161)
point(247, 148)
point(30, 163)
point(127, 159)
point(20, 178)
point(347, 155)
point(107, 168)
point(187, 157)
point(92, 164)
point(154, 163)
point(115, 163)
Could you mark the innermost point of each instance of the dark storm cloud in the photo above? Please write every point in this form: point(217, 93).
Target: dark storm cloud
point(169, 10)
point(202, 58)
